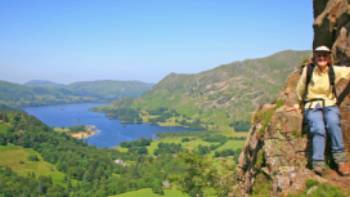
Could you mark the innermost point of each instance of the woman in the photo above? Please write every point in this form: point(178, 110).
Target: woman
point(323, 114)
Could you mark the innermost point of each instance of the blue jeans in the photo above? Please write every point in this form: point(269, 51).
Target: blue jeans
point(320, 120)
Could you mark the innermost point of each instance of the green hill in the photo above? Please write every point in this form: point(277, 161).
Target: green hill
point(37, 92)
point(218, 99)
point(18, 95)
point(36, 161)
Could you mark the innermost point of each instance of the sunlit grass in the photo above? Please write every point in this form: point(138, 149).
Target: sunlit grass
point(16, 158)
point(147, 192)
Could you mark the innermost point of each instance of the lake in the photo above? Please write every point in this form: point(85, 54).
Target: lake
point(111, 132)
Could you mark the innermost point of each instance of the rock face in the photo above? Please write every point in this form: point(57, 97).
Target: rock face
point(277, 149)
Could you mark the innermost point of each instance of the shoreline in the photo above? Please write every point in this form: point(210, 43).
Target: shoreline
point(85, 132)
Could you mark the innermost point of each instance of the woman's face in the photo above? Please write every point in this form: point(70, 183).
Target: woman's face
point(322, 59)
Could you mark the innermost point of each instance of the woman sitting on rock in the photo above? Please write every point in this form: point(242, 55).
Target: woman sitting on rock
point(320, 108)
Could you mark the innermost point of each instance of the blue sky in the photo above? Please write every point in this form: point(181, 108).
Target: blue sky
point(66, 41)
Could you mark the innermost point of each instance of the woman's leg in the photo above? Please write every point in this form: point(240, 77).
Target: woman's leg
point(332, 118)
point(317, 129)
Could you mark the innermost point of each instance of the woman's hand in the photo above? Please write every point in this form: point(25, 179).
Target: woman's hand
point(295, 108)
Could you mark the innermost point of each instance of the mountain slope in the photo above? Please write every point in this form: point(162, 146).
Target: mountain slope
point(218, 98)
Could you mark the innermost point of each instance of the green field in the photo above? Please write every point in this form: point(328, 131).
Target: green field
point(190, 145)
point(232, 144)
point(196, 139)
point(148, 193)
point(17, 158)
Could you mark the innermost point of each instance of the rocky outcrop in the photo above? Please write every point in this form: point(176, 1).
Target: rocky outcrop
point(332, 27)
point(277, 148)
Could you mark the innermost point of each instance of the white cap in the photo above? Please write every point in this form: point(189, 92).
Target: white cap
point(322, 49)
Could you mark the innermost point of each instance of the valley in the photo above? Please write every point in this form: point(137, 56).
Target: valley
point(173, 98)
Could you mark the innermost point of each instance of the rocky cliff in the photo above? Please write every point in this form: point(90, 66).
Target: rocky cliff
point(275, 156)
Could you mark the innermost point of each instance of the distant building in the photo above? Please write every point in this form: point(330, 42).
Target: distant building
point(119, 162)
point(166, 184)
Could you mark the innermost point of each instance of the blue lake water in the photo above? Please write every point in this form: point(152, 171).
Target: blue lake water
point(111, 132)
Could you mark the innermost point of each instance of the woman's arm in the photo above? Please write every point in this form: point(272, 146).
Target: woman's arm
point(300, 89)
point(342, 72)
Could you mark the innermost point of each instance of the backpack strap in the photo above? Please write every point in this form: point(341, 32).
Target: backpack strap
point(331, 76)
point(309, 71)
point(343, 94)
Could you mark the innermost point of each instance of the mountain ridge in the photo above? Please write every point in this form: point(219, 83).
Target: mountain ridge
point(43, 92)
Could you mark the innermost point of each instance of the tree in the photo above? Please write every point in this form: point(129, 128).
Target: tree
point(168, 148)
point(44, 184)
point(198, 174)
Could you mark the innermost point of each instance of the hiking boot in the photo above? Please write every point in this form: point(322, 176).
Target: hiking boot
point(344, 169)
point(339, 157)
point(319, 167)
point(319, 170)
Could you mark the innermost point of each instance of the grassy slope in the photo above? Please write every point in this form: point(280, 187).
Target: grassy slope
point(148, 192)
point(222, 95)
point(16, 158)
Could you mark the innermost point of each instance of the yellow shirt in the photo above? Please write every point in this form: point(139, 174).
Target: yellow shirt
point(319, 86)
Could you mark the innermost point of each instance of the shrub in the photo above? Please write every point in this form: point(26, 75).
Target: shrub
point(202, 150)
point(215, 138)
point(225, 153)
point(33, 157)
point(241, 125)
